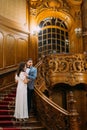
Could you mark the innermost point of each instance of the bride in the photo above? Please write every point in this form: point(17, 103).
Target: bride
point(21, 107)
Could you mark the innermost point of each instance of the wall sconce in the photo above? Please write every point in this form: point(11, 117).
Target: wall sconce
point(35, 30)
point(78, 32)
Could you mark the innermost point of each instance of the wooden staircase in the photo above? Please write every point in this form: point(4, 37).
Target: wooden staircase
point(8, 122)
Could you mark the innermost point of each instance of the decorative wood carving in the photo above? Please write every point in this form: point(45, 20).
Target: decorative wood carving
point(74, 122)
point(53, 4)
point(72, 69)
point(1, 49)
point(51, 114)
point(75, 2)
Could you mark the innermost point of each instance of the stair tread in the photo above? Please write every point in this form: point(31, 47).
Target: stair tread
point(30, 121)
point(6, 110)
point(6, 105)
point(25, 128)
point(6, 116)
point(5, 121)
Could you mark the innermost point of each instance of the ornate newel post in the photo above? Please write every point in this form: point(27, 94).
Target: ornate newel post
point(73, 116)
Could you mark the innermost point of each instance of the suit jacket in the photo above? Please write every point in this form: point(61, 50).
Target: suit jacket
point(32, 76)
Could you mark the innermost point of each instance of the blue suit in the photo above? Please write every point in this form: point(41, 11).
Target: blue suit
point(30, 86)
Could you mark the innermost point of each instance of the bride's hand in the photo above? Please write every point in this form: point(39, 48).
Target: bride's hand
point(26, 74)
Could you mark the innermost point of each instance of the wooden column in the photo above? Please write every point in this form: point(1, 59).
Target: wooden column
point(74, 122)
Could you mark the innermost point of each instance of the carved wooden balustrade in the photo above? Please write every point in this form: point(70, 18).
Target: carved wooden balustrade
point(52, 116)
point(72, 69)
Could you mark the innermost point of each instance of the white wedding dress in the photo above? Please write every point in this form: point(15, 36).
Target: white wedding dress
point(21, 107)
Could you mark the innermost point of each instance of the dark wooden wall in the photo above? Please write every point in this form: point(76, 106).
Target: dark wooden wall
point(13, 49)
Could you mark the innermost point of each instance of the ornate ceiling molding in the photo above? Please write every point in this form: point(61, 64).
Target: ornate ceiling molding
point(56, 14)
point(55, 4)
point(34, 3)
point(47, 3)
point(56, 8)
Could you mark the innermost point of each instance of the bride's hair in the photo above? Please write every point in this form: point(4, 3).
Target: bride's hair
point(21, 68)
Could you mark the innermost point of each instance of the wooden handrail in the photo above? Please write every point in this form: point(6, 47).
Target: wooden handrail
point(50, 102)
point(51, 115)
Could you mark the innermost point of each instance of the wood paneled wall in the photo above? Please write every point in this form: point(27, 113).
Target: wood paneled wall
point(13, 49)
point(14, 10)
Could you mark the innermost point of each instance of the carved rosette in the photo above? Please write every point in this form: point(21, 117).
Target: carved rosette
point(34, 3)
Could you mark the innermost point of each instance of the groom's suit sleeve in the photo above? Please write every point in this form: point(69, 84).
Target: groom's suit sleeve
point(33, 74)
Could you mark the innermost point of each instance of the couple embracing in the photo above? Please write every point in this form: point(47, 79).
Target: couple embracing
point(25, 77)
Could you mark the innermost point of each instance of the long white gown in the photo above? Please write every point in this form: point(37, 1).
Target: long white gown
point(21, 108)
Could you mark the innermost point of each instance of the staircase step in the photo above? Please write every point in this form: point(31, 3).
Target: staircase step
point(4, 102)
point(5, 112)
point(9, 94)
point(9, 128)
point(24, 128)
point(6, 123)
point(9, 91)
point(4, 97)
point(7, 98)
point(11, 117)
point(20, 123)
point(33, 128)
point(6, 117)
point(6, 107)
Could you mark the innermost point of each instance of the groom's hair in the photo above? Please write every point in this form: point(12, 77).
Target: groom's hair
point(30, 59)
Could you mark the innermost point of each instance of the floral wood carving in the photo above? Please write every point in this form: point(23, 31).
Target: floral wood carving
point(70, 69)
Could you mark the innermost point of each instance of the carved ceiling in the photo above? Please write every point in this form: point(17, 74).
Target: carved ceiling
point(57, 8)
point(52, 3)
point(55, 4)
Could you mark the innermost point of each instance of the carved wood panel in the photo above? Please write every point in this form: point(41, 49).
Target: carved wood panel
point(21, 50)
point(1, 49)
point(9, 50)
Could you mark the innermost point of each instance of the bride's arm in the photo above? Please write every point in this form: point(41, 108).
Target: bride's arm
point(16, 78)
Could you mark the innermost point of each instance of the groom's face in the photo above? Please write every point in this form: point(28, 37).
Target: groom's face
point(30, 63)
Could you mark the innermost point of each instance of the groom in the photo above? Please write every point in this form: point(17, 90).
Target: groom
point(32, 74)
